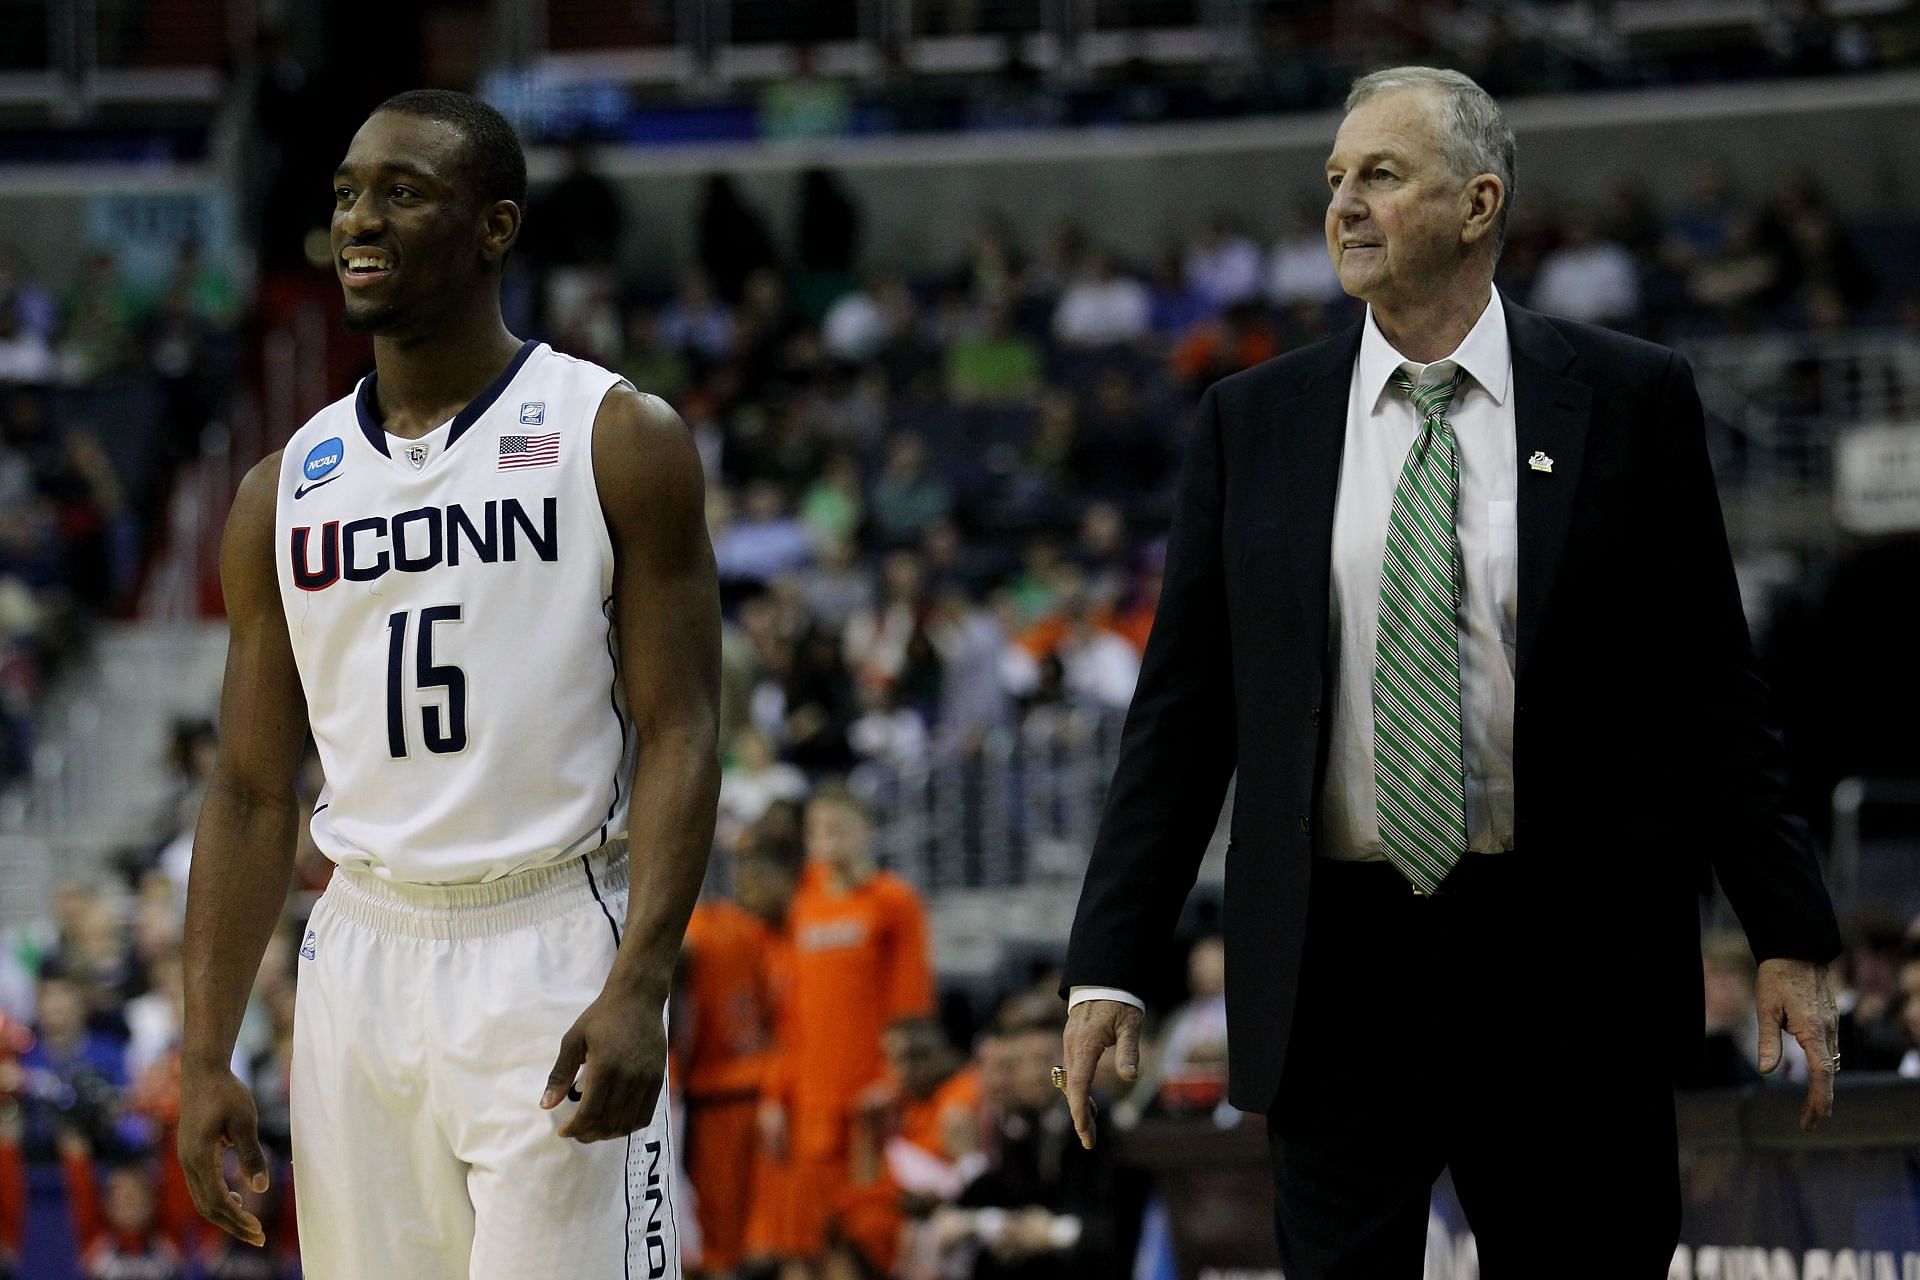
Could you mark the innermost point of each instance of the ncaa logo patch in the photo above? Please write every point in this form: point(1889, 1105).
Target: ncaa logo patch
point(533, 413)
point(324, 459)
point(308, 947)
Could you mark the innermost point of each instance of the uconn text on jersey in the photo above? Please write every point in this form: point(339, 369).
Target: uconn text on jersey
point(422, 539)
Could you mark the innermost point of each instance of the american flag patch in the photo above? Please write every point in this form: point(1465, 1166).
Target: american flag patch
point(520, 452)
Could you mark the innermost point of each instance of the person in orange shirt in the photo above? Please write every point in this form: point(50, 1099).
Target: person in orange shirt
point(859, 961)
point(724, 1031)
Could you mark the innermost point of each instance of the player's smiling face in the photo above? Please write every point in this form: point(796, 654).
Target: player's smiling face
point(409, 236)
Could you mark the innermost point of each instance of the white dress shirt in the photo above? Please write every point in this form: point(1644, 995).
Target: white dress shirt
point(1382, 426)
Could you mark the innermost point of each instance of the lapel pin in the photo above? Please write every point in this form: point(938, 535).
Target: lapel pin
point(1540, 461)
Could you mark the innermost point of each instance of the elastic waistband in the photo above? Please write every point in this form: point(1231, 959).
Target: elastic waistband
point(450, 911)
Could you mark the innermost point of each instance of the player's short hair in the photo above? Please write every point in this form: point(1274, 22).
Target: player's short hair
point(837, 795)
point(494, 161)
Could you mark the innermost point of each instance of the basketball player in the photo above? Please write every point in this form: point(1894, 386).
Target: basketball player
point(484, 580)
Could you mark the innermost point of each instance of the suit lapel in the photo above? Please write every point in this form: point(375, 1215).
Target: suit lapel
point(1306, 436)
point(1550, 421)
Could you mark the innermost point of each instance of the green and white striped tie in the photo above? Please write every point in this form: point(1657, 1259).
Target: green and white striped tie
point(1417, 771)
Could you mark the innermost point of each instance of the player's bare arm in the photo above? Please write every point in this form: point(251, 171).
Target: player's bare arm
point(242, 858)
point(667, 620)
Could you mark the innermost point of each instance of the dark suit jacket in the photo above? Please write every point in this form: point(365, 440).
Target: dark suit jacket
point(1643, 752)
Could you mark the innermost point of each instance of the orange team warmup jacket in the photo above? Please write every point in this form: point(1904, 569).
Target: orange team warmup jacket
point(857, 961)
point(729, 998)
point(924, 1121)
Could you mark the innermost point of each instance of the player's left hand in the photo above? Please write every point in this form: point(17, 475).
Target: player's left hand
point(1799, 993)
point(622, 1041)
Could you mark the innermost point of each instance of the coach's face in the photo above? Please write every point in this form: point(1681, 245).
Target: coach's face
point(1400, 223)
point(410, 238)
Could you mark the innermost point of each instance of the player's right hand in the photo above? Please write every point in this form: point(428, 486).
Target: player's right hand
point(217, 1113)
point(1093, 1026)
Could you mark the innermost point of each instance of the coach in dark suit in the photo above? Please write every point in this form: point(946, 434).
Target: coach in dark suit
point(1451, 591)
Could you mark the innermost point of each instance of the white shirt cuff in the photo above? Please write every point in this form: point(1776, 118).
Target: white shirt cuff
point(1080, 995)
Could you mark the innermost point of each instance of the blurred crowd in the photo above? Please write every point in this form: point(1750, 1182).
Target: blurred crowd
point(936, 496)
point(104, 389)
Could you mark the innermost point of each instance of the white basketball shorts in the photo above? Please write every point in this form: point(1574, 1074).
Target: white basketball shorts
point(427, 1019)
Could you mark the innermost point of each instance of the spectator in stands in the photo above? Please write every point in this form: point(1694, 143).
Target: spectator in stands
point(1298, 268)
point(1241, 338)
point(1177, 304)
point(1909, 1010)
point(878, 636)
point(576, 222)
point(1101, 307)
point(889, 733)
point(115, 1220)
point(765, 540)
point(649, 363)
point(753, 779)
point(25, 356)
point(818, 704)
point(696, 322)
point(858, 325)
point(732, 238)
point(1223, 264)
point(804, 105)
point(909, 497)
point(833, 506)
point(1587, 278)
point(827, 240)
point(1191, 1072)
point(996, 363)
point(74, 1074)
point(97, 322)
point(1867, 989)
point(31, 300)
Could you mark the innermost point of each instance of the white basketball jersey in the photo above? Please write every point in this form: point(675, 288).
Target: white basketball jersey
point(449, 602)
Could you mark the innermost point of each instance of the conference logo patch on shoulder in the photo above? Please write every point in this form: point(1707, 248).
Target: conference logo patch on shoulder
point(533, 413)
point(324, 459)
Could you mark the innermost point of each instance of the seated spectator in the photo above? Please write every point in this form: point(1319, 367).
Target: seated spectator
point(838, 586)
point(648, 363)
point(804, 105)
point(1191, 1071)
point(1177, 304)
point(877, 636)
point(1243, 337)
point(764, 542)
point(888, 733)
point(116, 1220)
point(1223, 265)
point(996, 363)
point(833, 506)
point(1867, 990)
point(74, 1075)
point(909, 497)
point(1101, 307)
point(1300, 269)
point(696, 321)
point(1587, 278)
point(25, 356)
point(753, 779)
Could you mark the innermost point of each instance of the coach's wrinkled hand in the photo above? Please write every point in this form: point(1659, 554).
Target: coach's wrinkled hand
point(217, 1113)
point(623, 1042)
point(1092, 1027)
point(1799, 993)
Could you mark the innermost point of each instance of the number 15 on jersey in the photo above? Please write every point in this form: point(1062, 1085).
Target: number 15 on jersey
point(444, 731)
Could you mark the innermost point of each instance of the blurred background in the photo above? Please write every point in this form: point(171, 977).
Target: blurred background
point(937, 285)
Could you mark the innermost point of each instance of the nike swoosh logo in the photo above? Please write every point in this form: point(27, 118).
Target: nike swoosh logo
point(306, 489)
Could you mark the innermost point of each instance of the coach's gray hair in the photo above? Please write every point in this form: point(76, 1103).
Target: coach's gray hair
point(1474, 137)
